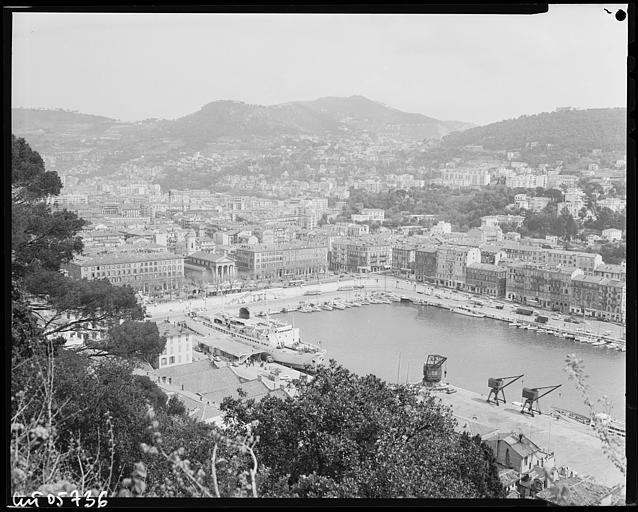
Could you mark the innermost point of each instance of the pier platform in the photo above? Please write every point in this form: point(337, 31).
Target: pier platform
point(573, 444)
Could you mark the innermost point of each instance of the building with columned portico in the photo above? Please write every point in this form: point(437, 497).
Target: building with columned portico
point(209, 267)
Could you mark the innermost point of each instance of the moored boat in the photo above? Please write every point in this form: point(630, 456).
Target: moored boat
point(274, 338)
point(467, 312)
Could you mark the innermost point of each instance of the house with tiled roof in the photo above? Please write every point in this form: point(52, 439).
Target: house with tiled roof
point(580, 491)
point(518, 452)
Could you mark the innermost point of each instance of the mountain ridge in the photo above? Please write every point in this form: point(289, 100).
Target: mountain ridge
point(232, 118)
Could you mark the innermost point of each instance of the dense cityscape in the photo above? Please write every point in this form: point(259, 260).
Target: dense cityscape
point(162, 271)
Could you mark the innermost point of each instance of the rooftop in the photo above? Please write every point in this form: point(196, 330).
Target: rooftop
point(579, 492)
point(124, 257)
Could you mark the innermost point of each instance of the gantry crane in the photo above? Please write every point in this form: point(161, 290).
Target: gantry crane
point(497, 385)
point(432, 369)
point(531, 397)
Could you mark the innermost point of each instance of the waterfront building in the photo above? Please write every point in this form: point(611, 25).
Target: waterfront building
point(262, 261)
point(451, 264)
point(425, 263)
point(518, 452)
point(486, 279)
point(540, 285)
point(209, 267)
point(371, 254)
point(147, 272)
point(403, 258)
point(598, 297)
point(617, 272)
point(179, 345)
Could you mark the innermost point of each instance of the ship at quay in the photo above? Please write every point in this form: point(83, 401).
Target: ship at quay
point(275, 339)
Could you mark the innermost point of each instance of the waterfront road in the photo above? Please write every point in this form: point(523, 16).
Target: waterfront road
point(275, 299)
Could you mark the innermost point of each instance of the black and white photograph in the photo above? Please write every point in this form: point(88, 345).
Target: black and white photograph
point(319, 255)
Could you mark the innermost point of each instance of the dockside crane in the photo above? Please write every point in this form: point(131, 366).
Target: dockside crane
point(433, 369)
point(531, 396)
point(497, 385)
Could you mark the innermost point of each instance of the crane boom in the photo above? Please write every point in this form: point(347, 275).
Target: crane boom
point(551, 388)
point(514, 379)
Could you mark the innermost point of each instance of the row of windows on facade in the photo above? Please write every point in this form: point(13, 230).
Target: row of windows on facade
point(176, 263)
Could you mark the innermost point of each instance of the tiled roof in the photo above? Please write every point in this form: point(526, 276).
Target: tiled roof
point(521, 445)
point(578, 492)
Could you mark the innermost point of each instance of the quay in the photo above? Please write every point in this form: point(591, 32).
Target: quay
point(573, 444)
point(275, 299)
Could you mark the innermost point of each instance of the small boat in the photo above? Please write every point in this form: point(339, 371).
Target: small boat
point(541, 331)
point(338, 305)
point(306, 309)
point(532, 328)
point(514, 324)
point(467, 312)
point(355, 304)
point(598, 343)
point(326, 307)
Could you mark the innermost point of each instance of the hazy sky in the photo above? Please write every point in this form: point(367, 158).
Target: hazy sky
point(475, 68)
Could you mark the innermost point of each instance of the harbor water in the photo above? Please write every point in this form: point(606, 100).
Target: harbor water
point(392, 342)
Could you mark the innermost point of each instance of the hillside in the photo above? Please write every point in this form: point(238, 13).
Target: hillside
point(360, 113)
point(229, 119)
point(575, 130)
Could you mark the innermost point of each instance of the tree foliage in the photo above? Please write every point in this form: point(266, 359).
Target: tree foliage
point(133, 340)
point(351, 436)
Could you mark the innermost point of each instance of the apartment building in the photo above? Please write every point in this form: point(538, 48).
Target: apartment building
point(617, 272)
point(284, 260)
point(179, 345)
point(403, 258)
point(526, 181)
point(540, 285)
point(425, 263)
point(146, 272)
point(486, 279)
point(599, 297)
point(361, 255)
point(585, 261)
point(452, 262)
point(461, 178)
